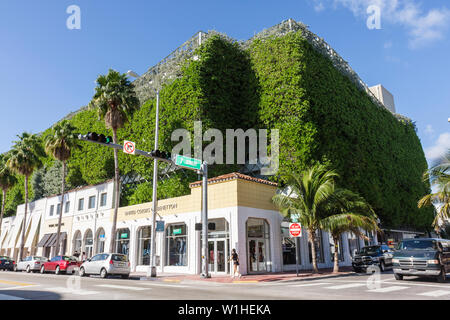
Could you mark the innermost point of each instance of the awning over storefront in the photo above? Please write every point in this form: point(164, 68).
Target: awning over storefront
point(44, 240)
point(33, 227)
point(49, 240)
point(15, 232)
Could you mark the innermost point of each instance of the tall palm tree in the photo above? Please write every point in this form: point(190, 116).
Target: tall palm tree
point(116, 101)
point(60, 144)
point(346, 211)
point(7, 181)
point(307, 192)
point(23, 159)
point(439, 177)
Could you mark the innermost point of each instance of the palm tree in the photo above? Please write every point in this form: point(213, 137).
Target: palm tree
point(307, 191)
point(347, 212)
point(60, 144)
point(23, 159)
point(7, 181)
point(115, 101)
point(439, 177)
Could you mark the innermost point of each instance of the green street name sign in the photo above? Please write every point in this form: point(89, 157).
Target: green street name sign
point(186, 162)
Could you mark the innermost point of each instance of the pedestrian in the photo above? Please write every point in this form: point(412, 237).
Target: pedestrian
point(83, 256)
point(76, 254)
point(234, 256)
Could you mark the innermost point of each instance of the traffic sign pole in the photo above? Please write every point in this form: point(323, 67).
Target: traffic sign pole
point(297, 253)
point(205, 257)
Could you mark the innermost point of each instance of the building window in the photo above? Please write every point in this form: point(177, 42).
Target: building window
point(103, 198)
point(176, 249)
point(353, 243)
point(88, 244)
point(52, 208)
point(80, 204)
point(123, 241)
point(58, 209)
point(100, 241)
point(288, 245)
point(319, 248)
point(144, 245)
point(67, 208)
point(91, 204)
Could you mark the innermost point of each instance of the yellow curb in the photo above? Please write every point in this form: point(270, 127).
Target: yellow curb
point(245, 281)
point(16, 283)
point(171, 280)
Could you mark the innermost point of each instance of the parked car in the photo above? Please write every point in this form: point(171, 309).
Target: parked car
point(378, 255)
point(6, 263)
point(106, 264)
point(422, 257)
point(59, 264)
point(30, 264)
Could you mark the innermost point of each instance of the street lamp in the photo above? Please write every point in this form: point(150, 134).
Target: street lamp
point(152, 270)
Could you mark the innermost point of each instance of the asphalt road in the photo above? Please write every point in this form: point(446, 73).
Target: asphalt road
point(35, 286)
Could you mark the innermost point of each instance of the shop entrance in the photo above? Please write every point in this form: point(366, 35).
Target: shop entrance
point(218, 252)
point(258, 252)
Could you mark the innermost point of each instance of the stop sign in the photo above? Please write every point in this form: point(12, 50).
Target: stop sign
point(295, 229)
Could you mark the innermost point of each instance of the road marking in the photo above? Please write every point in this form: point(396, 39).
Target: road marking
point(22, 284)
point(310, 284)
point(121, 287)
point(164, 285)
point(437, 293)
point(8, 297)
point(72, 291)
point(388, 289)
point(172, 280)
point(19, 287)
point(346, 286)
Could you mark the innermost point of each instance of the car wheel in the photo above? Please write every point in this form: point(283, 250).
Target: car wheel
point(82, 273)
point(15, 268)
point(103, 273)
point(42, 269)
point(382, 266)
point(398, 276)
point(57, 270)
point(441, 278)
point(125, 276)
point(28, 269)
point(357, 270)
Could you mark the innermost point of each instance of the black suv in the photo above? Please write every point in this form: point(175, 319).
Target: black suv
point(378, 255)
point(422, 257)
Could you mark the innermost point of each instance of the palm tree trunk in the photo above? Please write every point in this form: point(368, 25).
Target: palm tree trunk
point(3, 210)
point(58, 232)
point(336, 254)
point(117, 195)
point(312, 240)
point(24, 223)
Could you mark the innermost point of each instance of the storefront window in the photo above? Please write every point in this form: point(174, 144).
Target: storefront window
point(340, 249)
point(353, 244)
point(319, 248)
point(101, 241)
point(176, 249)
point(77, 242)
point(288, 245)
point(123, 241)
point(144, 245)
point(88, 243)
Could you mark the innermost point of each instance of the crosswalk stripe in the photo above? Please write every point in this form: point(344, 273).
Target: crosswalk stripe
point(437, 293)
point(164, 285)
point(346, 286)
point(388, 289)
point(310, 284)
point(8, 297)
point(121, 287)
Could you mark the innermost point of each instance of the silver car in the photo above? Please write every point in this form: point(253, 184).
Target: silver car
point(106, 264)
point(30, 263)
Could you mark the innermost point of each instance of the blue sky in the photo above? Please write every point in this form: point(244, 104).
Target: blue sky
point(48, 70)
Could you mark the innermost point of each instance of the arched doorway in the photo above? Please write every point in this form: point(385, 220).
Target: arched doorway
point(88, 243)
point(100, 241)
point(258, 245)
point(77, 243)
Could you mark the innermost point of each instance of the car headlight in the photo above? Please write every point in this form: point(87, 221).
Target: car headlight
point(433, 261)
point(395, 260)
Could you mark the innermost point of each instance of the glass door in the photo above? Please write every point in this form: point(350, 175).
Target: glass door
point(212, 255)
point(220, 255)
point(218, 251)
point(257, 255)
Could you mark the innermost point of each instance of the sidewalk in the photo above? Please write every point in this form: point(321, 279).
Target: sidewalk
point(269, 277)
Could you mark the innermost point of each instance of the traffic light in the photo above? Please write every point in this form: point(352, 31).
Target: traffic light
point(161, 154)
point(92, 136)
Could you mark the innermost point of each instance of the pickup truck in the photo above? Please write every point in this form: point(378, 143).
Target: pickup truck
point(378, 255)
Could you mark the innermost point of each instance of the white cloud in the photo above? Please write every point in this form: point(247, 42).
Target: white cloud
point(439, 149)
point(429, 129)
point(423, 27)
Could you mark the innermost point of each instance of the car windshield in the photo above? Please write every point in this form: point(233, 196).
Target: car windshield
point(370, 250)
point(117, 257)
point(69, 258)
point(417, 245)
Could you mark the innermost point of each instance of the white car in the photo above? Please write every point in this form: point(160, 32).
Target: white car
point(105, 264)
point(30, 263)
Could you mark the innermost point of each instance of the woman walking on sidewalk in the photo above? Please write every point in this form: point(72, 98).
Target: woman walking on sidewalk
point(234, 256)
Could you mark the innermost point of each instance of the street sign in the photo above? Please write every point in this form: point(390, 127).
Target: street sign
point(129, 147)
point(295, 230)
point(160, 226)
point(186, 162)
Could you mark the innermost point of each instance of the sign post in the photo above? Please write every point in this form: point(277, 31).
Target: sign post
point(295, 230)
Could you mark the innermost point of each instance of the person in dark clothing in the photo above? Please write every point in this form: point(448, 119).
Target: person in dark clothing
point(235, 257)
